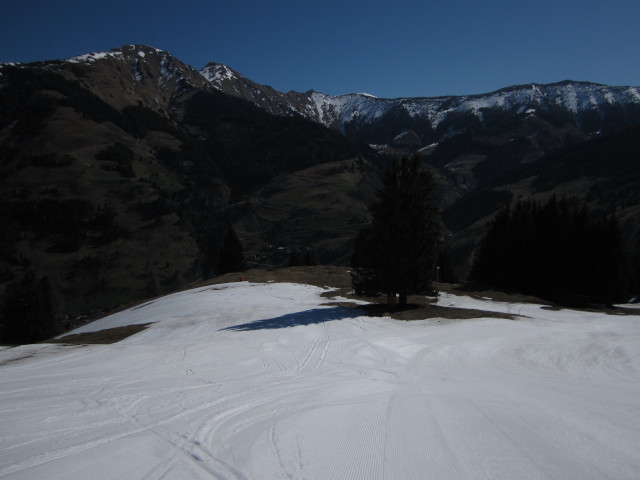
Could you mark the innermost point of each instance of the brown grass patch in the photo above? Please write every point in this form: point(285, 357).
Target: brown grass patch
point(109, 335)
point(320, 276)
point(482, 292)
point(414, 311)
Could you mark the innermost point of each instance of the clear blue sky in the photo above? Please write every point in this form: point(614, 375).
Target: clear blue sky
point(403, 48)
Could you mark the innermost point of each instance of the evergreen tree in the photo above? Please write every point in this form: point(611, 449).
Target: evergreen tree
point(553, 252)
point(294, 258)
point(28, 313)
point(310, 259)
point(444, 268)
point(608, 262)
point(491, 259)
point(634, 277)
point(397, 254)
point(231, 255)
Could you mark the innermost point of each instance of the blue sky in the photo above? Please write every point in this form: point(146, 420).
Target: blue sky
point(405, 48)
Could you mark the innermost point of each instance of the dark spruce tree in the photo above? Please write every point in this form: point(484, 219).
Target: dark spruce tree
point(28, 313)
point(231, 255)
point(565, 255)
point(397, 253)
point(444, 272)
point(634, 278)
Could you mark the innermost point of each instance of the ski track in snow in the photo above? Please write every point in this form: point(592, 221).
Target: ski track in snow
point(263, 381)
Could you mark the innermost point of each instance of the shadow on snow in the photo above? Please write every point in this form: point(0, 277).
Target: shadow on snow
point(308, 317)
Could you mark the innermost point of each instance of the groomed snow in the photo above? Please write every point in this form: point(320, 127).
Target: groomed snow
point(267, 381)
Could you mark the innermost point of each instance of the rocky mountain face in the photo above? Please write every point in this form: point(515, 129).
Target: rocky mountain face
point(121, 172)
point(231, 82)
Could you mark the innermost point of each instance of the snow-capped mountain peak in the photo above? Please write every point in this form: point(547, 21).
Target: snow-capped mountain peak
point(158, 75)
point(578, 100)
point(217, 73)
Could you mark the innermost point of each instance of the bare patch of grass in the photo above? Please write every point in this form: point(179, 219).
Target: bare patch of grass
point(109, 335)
point(332, 276)
point(418, 311)
point(482, 292)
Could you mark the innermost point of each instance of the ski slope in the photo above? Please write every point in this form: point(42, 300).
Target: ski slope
point(267, 381)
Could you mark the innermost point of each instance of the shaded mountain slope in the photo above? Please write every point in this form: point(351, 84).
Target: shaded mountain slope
point(602, 173)
point(121, 171)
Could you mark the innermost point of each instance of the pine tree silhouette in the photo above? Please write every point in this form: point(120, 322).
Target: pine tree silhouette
point(397, 254)
point(231, 255)
point(552, 251)
point(28, 313)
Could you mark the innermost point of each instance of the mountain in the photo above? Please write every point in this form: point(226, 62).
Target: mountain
point(233, 83)
point(488, 149)
point(121, 172)
point(472, 140)
point(593, 108)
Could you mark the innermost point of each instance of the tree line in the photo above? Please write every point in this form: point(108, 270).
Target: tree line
point(564, 254)
point(567, 255)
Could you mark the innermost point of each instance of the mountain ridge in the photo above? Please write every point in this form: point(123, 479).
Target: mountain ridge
point(350, 113)
point(122, 170)
point(346, 111)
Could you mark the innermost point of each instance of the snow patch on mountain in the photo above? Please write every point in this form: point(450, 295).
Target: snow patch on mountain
point(165, 71)
point(337, 111)
point(94, 57)
point(215, 73)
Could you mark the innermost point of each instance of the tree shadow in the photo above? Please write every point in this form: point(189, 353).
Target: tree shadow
point(308, 317)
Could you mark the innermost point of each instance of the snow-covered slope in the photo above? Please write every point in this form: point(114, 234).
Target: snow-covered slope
point(266, 381)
